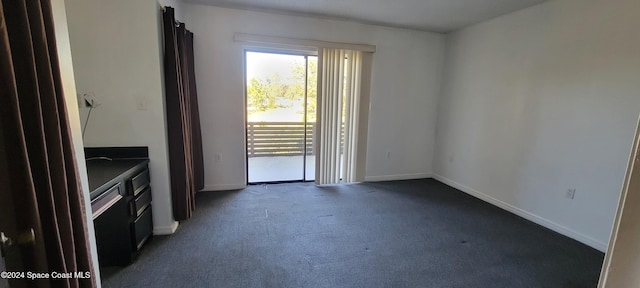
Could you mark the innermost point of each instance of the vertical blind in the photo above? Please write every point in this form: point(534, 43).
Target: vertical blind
point(352, 109)
point(338, 107)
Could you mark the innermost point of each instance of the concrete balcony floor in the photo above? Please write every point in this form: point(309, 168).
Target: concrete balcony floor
point(281, 168)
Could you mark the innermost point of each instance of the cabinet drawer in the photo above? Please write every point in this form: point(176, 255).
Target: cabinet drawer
point(143, 227)
point(105, 200)
point(141, 202)
point(139, 182)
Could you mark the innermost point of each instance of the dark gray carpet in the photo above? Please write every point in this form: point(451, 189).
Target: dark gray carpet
point(418, 233)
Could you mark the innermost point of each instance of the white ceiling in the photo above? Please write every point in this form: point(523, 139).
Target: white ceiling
point(429, 15)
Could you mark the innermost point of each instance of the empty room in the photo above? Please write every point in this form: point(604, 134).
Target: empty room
point(281, 143)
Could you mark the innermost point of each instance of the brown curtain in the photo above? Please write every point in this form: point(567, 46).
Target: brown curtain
point(41, 177)
point(198, 161)
point(183, 119)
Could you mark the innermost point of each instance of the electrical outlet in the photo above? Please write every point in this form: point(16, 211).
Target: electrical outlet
point(571, 193)
point(217, 157)
point(388, 154)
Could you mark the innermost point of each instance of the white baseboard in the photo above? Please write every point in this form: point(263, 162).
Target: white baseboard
point(224, 187)
point(397, 177)
point(166, 230)
point(526, 215)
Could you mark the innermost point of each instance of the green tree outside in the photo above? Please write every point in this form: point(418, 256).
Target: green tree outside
point(274, 91)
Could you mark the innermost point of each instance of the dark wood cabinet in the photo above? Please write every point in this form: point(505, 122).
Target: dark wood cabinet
point(121, 203)
point(140, 209)
point(109, 219)
point(142, 228)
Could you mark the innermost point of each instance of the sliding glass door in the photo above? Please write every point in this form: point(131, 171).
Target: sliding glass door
point(281, 101)
point(312, 101)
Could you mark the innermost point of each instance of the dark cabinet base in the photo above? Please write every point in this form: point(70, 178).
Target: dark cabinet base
point(142, 228)
point(122, 213)
point(113, 250)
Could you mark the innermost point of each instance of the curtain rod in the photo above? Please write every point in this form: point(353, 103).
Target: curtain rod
point(262, 39)
point(164, 8)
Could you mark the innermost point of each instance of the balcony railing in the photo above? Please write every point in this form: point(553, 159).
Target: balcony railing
point(269, 139)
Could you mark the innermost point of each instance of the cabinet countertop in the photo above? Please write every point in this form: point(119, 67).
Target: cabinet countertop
point(103, 173)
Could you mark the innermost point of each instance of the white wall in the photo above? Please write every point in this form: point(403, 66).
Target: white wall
point(539, 101)
point(117, 57)
point(69, 87)
point(405, 87)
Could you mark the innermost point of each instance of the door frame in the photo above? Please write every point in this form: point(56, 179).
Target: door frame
point(299, 51)
point(633, 172)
